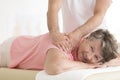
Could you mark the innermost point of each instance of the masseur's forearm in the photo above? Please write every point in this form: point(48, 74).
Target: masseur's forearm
point(52, 22)
point(52, 15)
point(90, 25)
point(97, 18)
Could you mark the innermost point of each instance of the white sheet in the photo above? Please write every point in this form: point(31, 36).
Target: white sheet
point(74, 74)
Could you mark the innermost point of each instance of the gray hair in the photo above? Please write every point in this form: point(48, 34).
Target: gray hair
point(109, 44)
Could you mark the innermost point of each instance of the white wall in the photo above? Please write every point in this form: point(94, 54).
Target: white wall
point(113, 19)
point(22, 17)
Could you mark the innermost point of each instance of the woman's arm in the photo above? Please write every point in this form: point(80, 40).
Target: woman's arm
point(113, 62)
point(56, 62)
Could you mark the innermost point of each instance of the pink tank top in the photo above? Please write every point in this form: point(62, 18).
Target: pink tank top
point(28, 52)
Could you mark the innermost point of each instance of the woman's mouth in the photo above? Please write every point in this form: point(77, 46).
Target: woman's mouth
point(81, 57)
point(84, 58)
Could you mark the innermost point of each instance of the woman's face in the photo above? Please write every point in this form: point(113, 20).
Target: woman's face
point(89, 51)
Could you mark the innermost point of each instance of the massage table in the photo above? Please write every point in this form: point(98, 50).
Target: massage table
point(17, 74)
point(110, 73)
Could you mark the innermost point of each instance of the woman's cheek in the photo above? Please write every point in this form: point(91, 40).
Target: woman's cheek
point(79, 57)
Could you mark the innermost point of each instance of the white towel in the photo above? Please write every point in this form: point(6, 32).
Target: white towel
point(74, 74)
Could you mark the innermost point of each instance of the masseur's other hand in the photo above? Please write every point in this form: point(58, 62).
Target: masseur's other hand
point(74, 38)
point(61, 41)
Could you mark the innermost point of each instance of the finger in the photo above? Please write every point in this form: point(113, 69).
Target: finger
point(65, 46)
point(72, 44)
point(60, 47)
point(68, 43)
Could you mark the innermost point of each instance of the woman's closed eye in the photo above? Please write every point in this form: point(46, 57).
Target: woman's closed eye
point(96, 57)
point(92, 48)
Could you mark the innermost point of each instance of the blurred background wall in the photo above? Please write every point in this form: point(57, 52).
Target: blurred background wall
point(22, 17)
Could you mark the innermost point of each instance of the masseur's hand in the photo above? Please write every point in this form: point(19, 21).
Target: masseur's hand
point(74, 38)
point(61, 41)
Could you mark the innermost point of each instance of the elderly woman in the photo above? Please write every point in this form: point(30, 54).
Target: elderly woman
point(38, 52)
